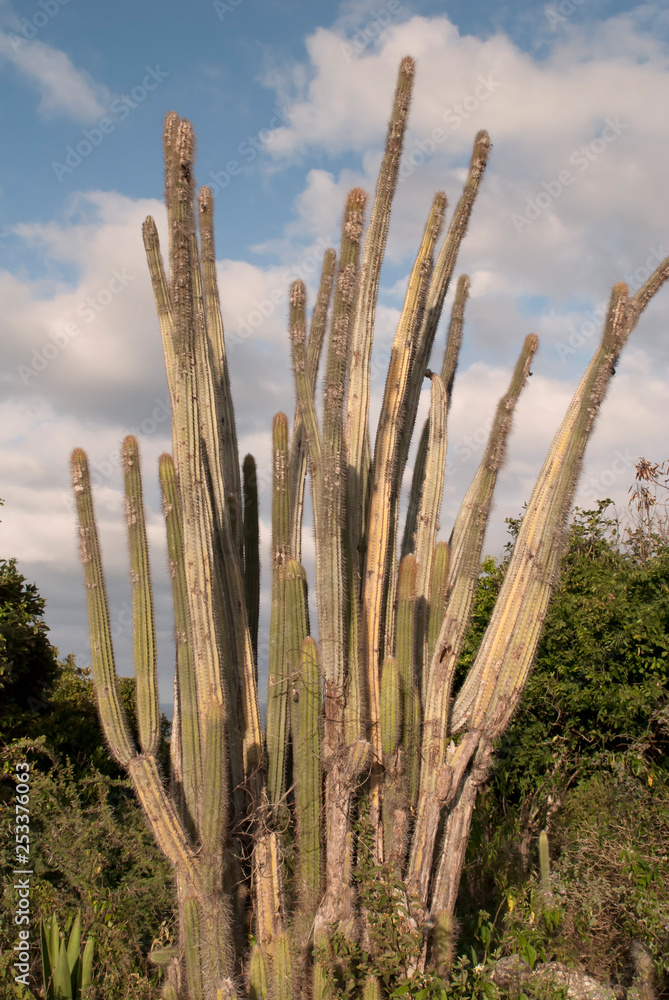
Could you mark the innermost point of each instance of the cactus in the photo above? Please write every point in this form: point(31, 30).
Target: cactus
point(544, 861)
point(363, 729)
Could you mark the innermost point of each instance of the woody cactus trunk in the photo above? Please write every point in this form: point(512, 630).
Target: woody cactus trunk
point(302, 853)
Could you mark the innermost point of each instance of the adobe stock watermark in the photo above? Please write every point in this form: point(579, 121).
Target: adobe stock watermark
point(595, 488)
point(466, 447)
point(87, 310)
point(559, 13)
point(248, 149)
point(581, 158)
point(31, 26)
point(223, 7)
point(593, 324)
point(377, 24)
point(264, 308)
point(639, 277)
point(119, 109)
point(102, 470)
point(420, 150)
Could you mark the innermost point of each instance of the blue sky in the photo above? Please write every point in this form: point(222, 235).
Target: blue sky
point(290, 103)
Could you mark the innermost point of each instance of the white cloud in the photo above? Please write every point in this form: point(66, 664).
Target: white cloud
point(63, 88)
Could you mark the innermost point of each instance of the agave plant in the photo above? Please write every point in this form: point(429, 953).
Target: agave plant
point(67, 971)
point(322, 855)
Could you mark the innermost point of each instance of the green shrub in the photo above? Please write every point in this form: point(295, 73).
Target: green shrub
point(91, 850)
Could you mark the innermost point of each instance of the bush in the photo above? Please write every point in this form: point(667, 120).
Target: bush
point(91, 850)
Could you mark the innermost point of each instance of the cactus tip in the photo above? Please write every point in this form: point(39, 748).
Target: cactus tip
point(185, 143)
point(298, 295)
point(356, 199)
point(205, 199)
point(482, 147)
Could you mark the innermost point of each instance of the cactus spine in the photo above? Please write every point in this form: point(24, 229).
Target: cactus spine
point(261, 827)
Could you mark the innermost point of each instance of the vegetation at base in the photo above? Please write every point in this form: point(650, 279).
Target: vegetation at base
point(586, 758)
point(91, 849)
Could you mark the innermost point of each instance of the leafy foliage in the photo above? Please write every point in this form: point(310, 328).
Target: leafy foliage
point(28, 661)
point(91, 850)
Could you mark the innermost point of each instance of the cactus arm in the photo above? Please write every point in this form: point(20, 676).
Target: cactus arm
point(405, 643)
point(465, 553)
point(456, 836)
point(258, 974)
point(385, 458)
point(638, 302)
point(405, 653)
point(215, 789)
point(429, 513)
point(544, 861)
point(306, 408)
point(227, 432)
point(431, 801)
point(186, 711)
point(451, 355)
point(269, 903)
point(371, 989)
point(454, 339)
point(144, 633)
point(391, 707)
point(330, 518)
point(191, 933)
point(322, 985)
point(176, 759)
point(439, 283)
point(282, 969)
point(252, 553)
point(298, 441)
point(508, 647)
point(412, 758)
point(297, 620)
point(307, 778)
point(394, 801)
point(161, 296)
point(112, 713)
point(277, 684)
point(357, 403)
point(165, 824)
point(411, 522)
point(436, 293)
point(206, 525)
point(354, 710)
point(438, 594)
point(189, 460)
point(217, 945)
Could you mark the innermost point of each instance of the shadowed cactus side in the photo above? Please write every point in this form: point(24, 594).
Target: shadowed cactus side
point(364, 723)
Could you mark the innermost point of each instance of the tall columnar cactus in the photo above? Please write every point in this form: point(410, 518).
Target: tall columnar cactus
point(369, 751)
